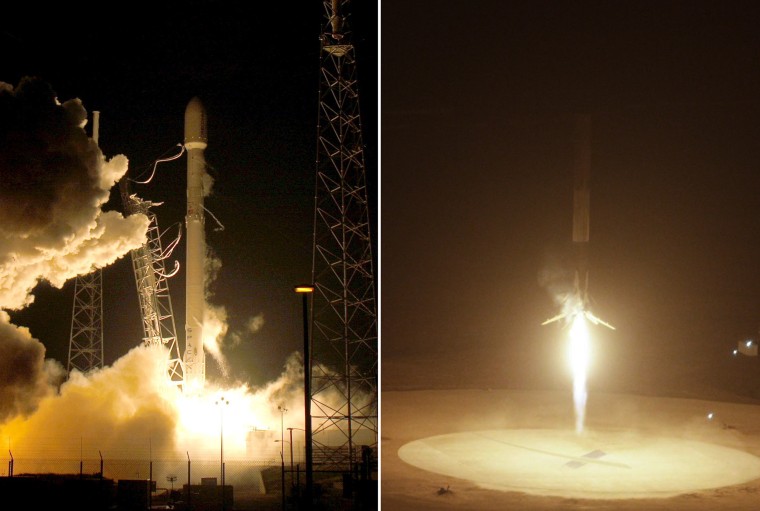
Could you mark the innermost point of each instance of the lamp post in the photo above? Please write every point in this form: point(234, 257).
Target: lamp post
point(171, 478)
point(305, 291)
point(283, 462)
point(222, 403)
point(291, 451)
point(282, 450)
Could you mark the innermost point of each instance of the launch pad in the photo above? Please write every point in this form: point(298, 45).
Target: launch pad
point(612, 464)
point(517, 449)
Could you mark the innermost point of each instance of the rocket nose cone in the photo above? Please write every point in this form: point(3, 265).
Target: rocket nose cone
point(195, 124)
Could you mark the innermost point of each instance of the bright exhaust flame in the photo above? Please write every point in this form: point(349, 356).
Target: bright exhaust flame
point(130, 411)
point(579, 353)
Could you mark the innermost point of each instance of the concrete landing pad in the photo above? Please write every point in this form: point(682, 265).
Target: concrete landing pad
point(595, 464)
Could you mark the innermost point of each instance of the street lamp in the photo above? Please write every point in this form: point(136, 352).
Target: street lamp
point(282, 450)
point(283, 462)
point(171, 478)
point(305, 291)
point(222, 403)
point(291, 454)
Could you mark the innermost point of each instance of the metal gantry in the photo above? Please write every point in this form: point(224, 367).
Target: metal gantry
point(151, 278)
point(86, 341)
point(344, 355)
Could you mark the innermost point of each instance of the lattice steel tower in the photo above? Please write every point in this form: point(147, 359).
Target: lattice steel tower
point(344, 407)
point(86, 340)
point(151, 279)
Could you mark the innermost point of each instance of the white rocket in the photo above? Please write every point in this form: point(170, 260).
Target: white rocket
point(196, 141)
point(578, 302)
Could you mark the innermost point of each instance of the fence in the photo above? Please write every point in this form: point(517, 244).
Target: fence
point(198, 485)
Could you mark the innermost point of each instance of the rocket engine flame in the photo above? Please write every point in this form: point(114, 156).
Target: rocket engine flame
point(579, 354)
point(575, 302)
point(579, 350)
point(575, 312)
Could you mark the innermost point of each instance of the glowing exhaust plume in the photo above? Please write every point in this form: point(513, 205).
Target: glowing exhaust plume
point(575, 313)
point(137, 410)
point(579, 353)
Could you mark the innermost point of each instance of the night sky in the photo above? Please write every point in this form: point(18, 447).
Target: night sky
point(256, 70)
point(478, 106)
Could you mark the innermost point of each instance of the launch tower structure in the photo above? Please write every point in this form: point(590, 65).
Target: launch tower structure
point(344, 360)
point(86, 340)
point(151, 279)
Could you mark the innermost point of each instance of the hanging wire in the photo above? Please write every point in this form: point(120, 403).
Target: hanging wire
point(218, 223)
point(155, 164)
point(171, 273)
point(171, 246)
point(168, 252)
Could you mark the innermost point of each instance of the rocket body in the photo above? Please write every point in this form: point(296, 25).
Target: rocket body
point(195, 143)
point(581, 193)
point(582, 202)
point(577, 302)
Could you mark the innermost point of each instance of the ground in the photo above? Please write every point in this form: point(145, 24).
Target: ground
point(712, 461)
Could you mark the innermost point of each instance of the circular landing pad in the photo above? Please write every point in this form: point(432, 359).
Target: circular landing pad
point(594, 464)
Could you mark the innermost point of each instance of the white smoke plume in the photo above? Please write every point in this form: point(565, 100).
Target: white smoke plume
point(137, 410)
point(214, 331)
point(251, 327)
point(255, 323)
point(558, 283)
point(128, 399)
point(25, 376)
point(55, 182)
point(214, 316)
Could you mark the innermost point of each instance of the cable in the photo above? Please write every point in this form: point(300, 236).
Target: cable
point(155, 164)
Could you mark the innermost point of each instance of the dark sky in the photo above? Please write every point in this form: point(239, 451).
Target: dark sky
point(255, 67)
point(478, 105)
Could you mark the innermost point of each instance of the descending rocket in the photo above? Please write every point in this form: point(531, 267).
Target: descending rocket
point(196, 141)
point(577, 302)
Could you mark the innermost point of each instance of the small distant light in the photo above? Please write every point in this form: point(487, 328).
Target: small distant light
point(710, 416)
point(304, 289)
point(736, 352)
point(749, 343)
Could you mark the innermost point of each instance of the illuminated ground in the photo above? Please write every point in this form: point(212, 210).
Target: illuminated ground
point(599, 464)
point(513, 449)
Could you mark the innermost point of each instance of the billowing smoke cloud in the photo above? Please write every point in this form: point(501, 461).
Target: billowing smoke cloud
point(214, 316)
point(128, 399)
point(25, 375)
point(558, 283)
point(255, 323)
point(214, 331)
point(55, 181)
point(251, 327)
